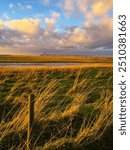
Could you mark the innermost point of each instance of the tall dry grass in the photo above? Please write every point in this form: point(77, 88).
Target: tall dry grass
point(72, 106)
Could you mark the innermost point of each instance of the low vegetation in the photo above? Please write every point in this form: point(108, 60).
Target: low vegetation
point(56, 59)
point(73, 107)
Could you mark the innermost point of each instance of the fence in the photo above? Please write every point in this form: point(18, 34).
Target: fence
point(30, 121)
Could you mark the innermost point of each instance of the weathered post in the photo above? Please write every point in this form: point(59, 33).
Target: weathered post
point(30, 121)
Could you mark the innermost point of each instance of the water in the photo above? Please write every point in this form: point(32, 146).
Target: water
point(38, 64)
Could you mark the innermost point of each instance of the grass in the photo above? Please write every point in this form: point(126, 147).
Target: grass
point(73, 107)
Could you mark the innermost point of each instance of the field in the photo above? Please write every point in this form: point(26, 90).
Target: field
point(54, 59)
point(73, 107)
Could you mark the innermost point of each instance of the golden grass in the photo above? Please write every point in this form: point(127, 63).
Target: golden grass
point(64, 59)
point(57, 105)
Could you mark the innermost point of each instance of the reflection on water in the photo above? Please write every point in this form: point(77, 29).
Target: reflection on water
point(38, 64)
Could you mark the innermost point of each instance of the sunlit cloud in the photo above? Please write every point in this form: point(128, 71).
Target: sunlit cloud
point(101, 7)
point(50, 22)
point(72, 6)
point(28, 32)
point(1, 25)
point(52, 29)
point(90, 8)
point(27, 25)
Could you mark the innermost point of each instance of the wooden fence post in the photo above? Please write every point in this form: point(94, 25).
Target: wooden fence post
point(30, 121)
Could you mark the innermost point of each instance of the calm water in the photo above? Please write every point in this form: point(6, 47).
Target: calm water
point(38, 64)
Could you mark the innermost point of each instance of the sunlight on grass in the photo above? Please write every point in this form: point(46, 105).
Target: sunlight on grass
point(73, 105)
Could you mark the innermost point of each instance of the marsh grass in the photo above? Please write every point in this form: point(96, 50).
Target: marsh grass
point(73, 107)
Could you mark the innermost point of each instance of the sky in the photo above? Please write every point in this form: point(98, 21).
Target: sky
point(60, 27)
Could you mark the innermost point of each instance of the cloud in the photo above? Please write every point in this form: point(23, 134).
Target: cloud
point(82, 5)
point(50, 22)
point(28, 36)
point(102, 29)
point(102, 7)
point(24, 6)
point(74, 37)
point(78, 36)
point(74, 7)
point(20, 6)
point(6, 16)
point(39, 15)
point(85, 8)
point(11, 5)
point(55, 15)
point(27, 25)
point(70, 7)
point(1, 25)
point(45, 2)
point(28, 7)
point(95, 34)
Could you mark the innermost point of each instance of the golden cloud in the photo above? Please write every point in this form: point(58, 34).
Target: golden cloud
point(27, 25)
point(1, 25)
point(78, 36)
point(88, 8)
point(101, 7)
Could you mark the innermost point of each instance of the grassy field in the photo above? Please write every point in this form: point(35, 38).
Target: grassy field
point(73, 107)
point(56, 59)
